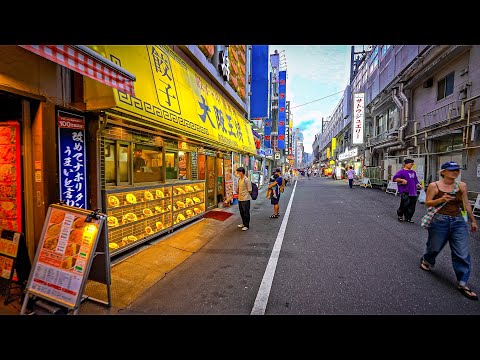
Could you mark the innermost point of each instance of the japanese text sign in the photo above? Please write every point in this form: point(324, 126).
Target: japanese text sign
point(72, 160)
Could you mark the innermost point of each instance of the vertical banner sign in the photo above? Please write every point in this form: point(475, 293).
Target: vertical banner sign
point(71, 159)
point(259, 84)
point(358, 117)
point(287, 128)
point(282, 88)
point(267, 126)
point(267, 131)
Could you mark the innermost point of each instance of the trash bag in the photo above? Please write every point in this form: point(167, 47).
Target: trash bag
point(422, 196)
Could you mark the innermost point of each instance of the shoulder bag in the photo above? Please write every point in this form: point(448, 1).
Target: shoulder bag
point(464, 210)
point(432, 210)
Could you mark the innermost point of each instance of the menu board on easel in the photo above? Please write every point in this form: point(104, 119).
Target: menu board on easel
point(64, 254)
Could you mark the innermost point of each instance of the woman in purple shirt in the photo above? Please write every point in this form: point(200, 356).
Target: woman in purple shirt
point(351, 176)
point(407, 187)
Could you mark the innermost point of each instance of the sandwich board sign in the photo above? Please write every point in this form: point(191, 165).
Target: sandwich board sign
point(64, 256)
point(14, 262)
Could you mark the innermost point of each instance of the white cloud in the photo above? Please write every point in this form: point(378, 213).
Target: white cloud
point(314, 72)
point(322, 63)
point(312, 129)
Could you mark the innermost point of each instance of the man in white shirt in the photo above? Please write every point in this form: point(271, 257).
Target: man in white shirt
point(244, 189)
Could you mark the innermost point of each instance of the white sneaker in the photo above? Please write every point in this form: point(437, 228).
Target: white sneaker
point(244, 228)
point(240, 226)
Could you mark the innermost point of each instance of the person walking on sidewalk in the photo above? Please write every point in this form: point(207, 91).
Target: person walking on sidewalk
point(351, 176)
point(407, 187)
point(244, 189)
point(275, 183)
point(448, 225)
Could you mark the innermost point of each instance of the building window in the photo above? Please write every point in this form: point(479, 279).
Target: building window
point(392, 117)
point(171, 163)
point(454, 143)
point(374, 60)
point(110, 163)
point(445, 86)
point(184, 165)
point(381, 124)
point(147, 164)
point(384, 49)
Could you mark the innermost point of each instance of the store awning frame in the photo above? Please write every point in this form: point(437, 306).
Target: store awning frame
point(87, 62)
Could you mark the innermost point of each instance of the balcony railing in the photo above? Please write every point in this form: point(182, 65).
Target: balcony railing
point(444, 113)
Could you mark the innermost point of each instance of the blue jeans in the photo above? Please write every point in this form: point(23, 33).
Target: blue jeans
point(454, 230)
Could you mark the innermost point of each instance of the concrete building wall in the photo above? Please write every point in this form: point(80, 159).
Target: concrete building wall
point(424, 100)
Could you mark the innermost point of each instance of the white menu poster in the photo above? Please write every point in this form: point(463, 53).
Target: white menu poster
point(63, 255)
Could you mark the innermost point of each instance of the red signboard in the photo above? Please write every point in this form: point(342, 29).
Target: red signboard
point(10, 177)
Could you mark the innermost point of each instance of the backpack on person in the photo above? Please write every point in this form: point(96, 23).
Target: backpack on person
point(254, 193)
point(282, 187)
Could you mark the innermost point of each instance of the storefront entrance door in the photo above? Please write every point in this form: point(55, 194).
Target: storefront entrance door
point(220, 181)
point(211, 193)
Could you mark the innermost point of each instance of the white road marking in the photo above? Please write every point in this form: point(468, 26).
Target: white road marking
point(264, 291)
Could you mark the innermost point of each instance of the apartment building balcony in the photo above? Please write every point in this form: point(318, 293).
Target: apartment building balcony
point(444, 113)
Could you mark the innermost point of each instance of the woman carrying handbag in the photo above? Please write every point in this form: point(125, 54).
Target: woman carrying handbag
point(448, 225)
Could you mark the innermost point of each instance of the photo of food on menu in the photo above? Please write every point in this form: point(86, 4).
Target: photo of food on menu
point(71, 250)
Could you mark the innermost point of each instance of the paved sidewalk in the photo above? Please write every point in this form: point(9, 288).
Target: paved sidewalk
point(134, 273)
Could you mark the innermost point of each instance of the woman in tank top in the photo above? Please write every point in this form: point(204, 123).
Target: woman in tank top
point(448, 225)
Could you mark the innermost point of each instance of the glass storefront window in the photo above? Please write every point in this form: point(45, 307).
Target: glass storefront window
point(184, 165)
point(454, 143)
point(123, 170)
point(202, 161)
point(171, 165)
point(147, 164)
point(110, 168)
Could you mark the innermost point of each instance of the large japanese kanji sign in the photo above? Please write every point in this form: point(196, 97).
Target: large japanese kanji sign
point(71, 158)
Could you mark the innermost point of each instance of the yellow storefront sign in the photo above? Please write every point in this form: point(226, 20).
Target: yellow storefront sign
point(169, 92)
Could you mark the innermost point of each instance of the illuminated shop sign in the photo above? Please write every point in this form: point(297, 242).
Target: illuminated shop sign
point(72, 158)
point(358, 117)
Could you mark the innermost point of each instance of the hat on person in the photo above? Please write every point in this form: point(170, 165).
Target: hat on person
point(277, 170)
point(408, 161)
point(450, 165)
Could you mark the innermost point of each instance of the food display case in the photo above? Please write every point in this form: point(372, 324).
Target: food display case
point(188, 201)
point(138, 214)
point(135, 214)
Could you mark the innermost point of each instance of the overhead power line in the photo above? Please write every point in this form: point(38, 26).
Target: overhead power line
point(293, 107)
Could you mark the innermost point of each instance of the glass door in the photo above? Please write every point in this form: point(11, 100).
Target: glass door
point(211, 182)
point(220, 181)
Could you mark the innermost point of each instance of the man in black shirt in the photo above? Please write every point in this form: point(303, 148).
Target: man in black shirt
point(138, 161)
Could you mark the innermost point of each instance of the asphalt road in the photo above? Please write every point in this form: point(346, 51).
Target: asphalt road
point(343, 253)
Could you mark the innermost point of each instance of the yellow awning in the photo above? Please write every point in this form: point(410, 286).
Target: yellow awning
point(171, 94)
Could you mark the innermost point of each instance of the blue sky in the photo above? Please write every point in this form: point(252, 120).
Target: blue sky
point(313, 72)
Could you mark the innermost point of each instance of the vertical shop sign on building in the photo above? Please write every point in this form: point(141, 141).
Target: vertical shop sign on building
point(267, 130)
point(287, 128)
point(72, 159)
point(358, 117)
point(282, 88)
point(259, 83)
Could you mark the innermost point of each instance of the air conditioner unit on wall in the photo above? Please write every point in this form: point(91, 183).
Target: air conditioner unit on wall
point(428, 83)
